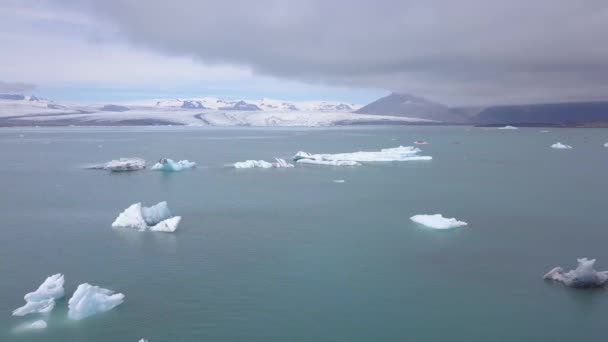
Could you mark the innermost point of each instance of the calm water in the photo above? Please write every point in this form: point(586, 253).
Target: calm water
point(288, 255)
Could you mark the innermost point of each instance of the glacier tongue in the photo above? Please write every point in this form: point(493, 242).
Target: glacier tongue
point(89, 300)
point(43, 299)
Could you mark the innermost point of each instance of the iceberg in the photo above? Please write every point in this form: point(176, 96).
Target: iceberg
point(437, 221)
point(250, 164)
point(401, 153)
point(544, 131)
point(508, 127)
point(157, 217)
point(338, 180)
point(43, 299)
point(89, 300)
point(584, 276)
point(122, 164)
point(606, 144)
point(39, 324)
point(166, 164)
point(168, 226)
point(561, 146)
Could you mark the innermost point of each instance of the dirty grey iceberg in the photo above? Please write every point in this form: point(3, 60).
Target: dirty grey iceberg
point(166, 164)
point(401, 153)
point(251, 164)
point(156, 218)
point(584, 276)
point(43, 299)
point(122, 164)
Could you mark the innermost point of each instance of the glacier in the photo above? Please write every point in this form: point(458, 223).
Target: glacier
point(559, 145)
point(43, 299)
point(401, 153)
point(122, 164)
point(89, 300)
point(437, 221)
point(250, 164)
point(166, 164)
point(157, 217)
point(584, 276)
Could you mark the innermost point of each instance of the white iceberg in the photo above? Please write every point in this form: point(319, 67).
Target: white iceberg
point(122, 164)
point(157, 217)
point(508, 127)
point(166, 164)
point(250, 164)
point(561, 146)
point(39, 324)
point(401, 153)
point(583, 276)
point(606, 144)
point(437, 221)
point(43, 299)
point(168, 226)
point(89, 300)
point(338, 180)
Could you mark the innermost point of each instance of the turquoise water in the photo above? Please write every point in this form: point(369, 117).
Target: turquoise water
point(289, 255)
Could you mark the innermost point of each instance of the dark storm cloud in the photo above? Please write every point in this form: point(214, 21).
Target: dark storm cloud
point(16, 87)
point(469, 51)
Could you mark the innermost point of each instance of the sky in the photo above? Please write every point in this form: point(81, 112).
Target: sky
point(461, 53)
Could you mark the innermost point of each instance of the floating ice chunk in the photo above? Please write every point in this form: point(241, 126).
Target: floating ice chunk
point(401, 153)
point(606, 144)
point(544, 131)
point(89, 300)
point(122, 164)
point(168, 226)
point(156, 213)
point(43, 299)
point(507, 127)
point(338, 180)
point(250, 164)
point(143, 340)
point(39, 324)
point(131, 218)
point(420, 142)
point(166, 164)
point(583, 276)
point(559, 145)
point(437, 221)
point(328, 162)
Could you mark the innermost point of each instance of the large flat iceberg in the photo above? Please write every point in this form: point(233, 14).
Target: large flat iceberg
point(43, 299)
point(401, 153)
point(561, 146)
point(89, 300)
point(437, 221)
point(157, 217)
point(584, 276)
point(122, 164)
point(166, 164)
point(250, 164)
point(507, 127)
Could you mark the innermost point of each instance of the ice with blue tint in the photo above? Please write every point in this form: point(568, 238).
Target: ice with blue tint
point(166, 164)
point(89, 300)
point(43, 299)
point(583, 276)
point(141, 218)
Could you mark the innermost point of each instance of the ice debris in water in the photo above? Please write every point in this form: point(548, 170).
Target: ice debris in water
point(544, 131)
point(122, 164)
point(401, 153)
point(166, 164)
point(559, 145)
point(250, 164)
point(43, 299)
point(157, 218)
point(437, 221)
point(39, 324)
point(508, 127)
point(89, 300)
point(583, 276)
point(338, 181)
point(606, 144)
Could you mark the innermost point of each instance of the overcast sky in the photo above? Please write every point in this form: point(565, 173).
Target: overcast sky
point(466, 52)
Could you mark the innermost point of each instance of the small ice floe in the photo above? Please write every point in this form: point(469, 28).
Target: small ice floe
point(36, 325)
point(420, 142)
point(561, 146)
point(251, 164)
point(606, 144)
point(338, 180)
point(166, 164)
point(544, 131)
point(122, 164)
point(584, 276)
point(89, 300)
point(157, 218)
point(437, 221)
point(143, 340)
point(401, 153)
point(43, 299)
point(508, 127)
